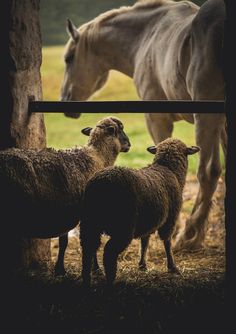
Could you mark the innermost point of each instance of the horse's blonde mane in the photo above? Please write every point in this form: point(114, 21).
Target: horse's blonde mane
point(139, 4)
point(150, 3)
point(90, 29)
point(110, 14)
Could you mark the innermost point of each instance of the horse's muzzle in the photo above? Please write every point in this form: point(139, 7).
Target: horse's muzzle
point(72, 114)
point(67, 98)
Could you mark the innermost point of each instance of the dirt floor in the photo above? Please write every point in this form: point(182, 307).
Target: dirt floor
point(209, 260)
point(140, 302)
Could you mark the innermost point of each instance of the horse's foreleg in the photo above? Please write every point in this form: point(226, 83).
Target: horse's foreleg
point(208, 134)
point(160, 126)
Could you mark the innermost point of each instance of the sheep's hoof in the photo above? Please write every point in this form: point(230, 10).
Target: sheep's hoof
point(110, 281)
point(86, 286)
point(109, 286)
point(97, 271)
point(174, 270)
point(142, 267)
point(59, 270)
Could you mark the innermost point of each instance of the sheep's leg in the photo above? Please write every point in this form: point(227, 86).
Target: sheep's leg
point(95, 266)
point(165, 232)
point(170, 258)
point(160, 126)
point(59, 267)
point(87, 256)
point(90, 244)
point(112, 250)
point(208, 134)
point(144, 246)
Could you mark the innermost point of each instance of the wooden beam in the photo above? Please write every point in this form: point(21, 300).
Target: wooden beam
point(178, 106)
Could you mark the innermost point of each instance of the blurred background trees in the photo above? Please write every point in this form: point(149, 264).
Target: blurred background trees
point(54, 13)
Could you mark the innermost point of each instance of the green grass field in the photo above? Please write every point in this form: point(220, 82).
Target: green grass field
point(63, 132)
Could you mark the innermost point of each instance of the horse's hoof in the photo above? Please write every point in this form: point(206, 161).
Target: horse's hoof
point(188, 245)
point(179, 244)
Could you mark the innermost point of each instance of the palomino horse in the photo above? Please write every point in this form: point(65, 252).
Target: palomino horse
point(173, 51)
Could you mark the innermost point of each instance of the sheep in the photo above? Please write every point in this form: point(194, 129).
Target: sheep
point(45, 187)
point(127, 203)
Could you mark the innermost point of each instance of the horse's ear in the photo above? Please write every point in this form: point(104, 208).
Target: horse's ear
point(86, 131)
point(152, 149)
point(192, 150)
point(72, 31)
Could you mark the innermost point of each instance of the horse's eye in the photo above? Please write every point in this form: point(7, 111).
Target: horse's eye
point(69, 59)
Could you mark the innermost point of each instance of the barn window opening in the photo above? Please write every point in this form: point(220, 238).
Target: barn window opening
point(64, 132)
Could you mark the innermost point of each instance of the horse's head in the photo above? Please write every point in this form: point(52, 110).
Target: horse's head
point(84, 73)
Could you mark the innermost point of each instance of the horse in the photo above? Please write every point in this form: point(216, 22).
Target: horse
point(173, 51)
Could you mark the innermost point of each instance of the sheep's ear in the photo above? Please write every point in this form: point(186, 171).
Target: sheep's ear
point(152, 149)
point(192, 150)
point(111, 130)
point(72, 31)
point(86, 131)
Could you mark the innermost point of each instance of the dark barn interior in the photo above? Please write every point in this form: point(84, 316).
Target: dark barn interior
point(152, 302)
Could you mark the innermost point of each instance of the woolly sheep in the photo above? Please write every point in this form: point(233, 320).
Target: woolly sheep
point(129, 203)
point(44, 188)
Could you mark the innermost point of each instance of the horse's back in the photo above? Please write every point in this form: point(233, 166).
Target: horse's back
point(158, 74)
point(181, 54)
point(210, 16)
point(205, 75)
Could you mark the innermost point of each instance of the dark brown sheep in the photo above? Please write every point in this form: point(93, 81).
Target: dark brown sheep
point(129, 203)
point(44, 188)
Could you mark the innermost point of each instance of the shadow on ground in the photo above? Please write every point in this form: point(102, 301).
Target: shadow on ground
point(140, 302)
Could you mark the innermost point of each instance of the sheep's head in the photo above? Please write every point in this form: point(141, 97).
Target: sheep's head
point(172, 150)
point(109, 132)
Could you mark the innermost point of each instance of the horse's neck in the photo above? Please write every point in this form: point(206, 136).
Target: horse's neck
point(117, 50)
point(121, 38)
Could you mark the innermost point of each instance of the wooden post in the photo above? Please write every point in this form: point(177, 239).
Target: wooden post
point(20, 75)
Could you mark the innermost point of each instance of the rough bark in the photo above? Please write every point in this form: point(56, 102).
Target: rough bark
point(22, 51)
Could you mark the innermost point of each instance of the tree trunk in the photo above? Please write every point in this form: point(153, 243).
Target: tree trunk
point(22, 51)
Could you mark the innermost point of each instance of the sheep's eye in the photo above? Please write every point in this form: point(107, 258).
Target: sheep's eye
point(69, 59)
